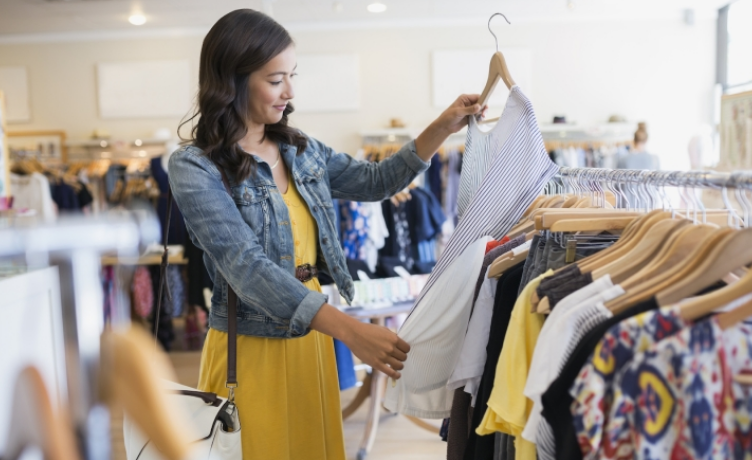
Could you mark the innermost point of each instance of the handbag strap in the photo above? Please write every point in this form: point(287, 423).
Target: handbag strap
point(232, 298)
point(232, 320)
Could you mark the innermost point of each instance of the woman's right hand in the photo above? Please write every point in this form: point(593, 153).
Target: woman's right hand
point(378, 347)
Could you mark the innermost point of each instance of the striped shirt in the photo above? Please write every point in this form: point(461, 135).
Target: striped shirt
point(481, 147)
point(518, 173)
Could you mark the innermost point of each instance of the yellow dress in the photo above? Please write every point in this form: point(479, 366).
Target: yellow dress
point(288, 392)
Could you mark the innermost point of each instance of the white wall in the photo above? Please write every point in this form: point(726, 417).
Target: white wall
point(658, 71)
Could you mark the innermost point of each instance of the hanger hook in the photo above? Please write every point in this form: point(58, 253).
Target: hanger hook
point(489, 27)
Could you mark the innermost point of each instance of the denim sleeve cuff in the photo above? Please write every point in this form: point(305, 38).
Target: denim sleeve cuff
point(309, 306)
point(409, 153)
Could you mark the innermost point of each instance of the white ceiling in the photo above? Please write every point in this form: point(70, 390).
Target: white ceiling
point(27, 18)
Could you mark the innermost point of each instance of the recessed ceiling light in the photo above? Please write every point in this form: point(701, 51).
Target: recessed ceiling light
point(571, 5)
point(137, 19)
point(338, 7)
point(376, 7)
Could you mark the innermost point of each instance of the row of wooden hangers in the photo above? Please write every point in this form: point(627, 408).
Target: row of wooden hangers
point(131, 376)
point(666, 254)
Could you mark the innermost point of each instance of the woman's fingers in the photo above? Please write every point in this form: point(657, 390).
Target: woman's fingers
point(467, 99)
point(381, 367)
point(395, 364)
point(400, 355)
point(402, 345)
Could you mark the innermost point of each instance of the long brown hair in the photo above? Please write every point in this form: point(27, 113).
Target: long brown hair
point(240, 43)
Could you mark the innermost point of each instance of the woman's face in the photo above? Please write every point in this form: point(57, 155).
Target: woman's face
point(271, 88)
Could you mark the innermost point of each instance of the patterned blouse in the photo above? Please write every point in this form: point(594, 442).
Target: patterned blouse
point(592, 391)
point(678, 399)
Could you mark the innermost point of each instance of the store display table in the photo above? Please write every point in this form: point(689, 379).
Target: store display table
point(375, 382)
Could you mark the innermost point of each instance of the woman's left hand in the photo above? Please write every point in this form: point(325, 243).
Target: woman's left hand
point(454, 118)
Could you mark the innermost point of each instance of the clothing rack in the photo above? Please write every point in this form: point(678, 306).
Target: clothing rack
point(691, 179)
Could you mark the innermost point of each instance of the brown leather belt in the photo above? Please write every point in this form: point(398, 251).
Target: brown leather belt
point(306, 272)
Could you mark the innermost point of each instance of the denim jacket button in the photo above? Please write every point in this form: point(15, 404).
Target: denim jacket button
point(315, 209)
point(325, 240)
point(336, 269)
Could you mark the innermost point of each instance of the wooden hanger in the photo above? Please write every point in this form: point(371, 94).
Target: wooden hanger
point(497, 70)
point(506, 261)
point(731, 318)
point(592, 225)
point(675, 268)
point(642, 227)
point(533, 206)
point(35, 422)
point(133, 372)
point(680, 244)
point(626, 236)
point(571, 201)
point(694, 309)
point(620, 269)
point(732, 252)
point(549, 217)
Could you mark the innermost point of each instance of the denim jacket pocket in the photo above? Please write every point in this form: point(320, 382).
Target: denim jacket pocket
point(245, 196)
point(253, 204)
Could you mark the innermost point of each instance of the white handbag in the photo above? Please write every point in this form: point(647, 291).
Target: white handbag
point(210, 416)
point(213, 417)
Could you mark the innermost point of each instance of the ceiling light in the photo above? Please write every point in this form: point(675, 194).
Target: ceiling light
point(137, 19)
point(571, 5)
point(338, 7)
point(376, 7)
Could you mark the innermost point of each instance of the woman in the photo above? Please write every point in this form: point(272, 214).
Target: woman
point(279, 219)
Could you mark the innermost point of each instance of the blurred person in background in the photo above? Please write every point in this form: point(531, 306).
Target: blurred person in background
point(638, 157)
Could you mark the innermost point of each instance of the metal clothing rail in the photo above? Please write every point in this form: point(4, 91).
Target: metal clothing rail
point(691, 179)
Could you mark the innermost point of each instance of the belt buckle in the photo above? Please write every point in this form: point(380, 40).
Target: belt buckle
point(308, 276)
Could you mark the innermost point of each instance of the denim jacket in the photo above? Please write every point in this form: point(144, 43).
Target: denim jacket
point(247, 239)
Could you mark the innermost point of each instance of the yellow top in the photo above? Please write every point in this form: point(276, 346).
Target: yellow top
point(508, 408)
point(288, 393)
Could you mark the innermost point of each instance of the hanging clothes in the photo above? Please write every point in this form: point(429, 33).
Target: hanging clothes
point(33, 192)
point(345, 366)
point(434, 181)
point(397, 246)
point(377, 233)
point(518, 173)
point(143, 294)
point(198, 276)
point(483, 447)
point(65, 197)
point(439, 322)
point(425, 219)
point(451, 194)
point(468, 371)
point(177, 232)
point(355, 223)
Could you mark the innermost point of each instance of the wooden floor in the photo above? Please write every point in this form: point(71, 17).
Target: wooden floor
point(397, 438)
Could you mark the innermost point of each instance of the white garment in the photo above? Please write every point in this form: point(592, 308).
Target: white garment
point(518, 173)
point(469, 368)
point(377, 232)
point(435, 330)
point(33, 192)
point(560, 335)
